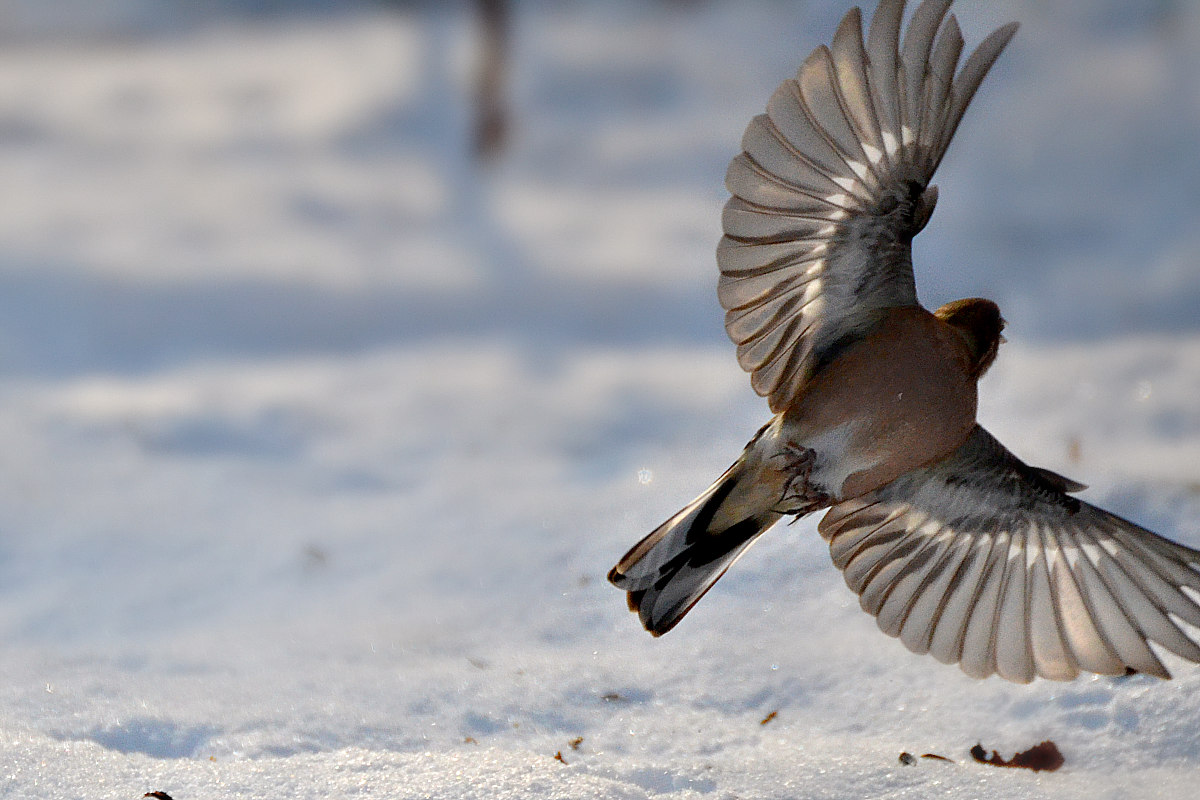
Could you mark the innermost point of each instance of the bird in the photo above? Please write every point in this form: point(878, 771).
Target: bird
point(955, 545)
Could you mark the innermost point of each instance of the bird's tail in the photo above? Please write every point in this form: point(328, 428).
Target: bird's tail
point(669, 571)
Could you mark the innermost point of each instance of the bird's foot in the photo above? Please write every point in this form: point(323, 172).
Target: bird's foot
point(799, 496)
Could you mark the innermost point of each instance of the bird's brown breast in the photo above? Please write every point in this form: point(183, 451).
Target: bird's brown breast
point(904, 395)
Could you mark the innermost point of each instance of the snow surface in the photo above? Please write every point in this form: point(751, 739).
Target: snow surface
point(316, 441)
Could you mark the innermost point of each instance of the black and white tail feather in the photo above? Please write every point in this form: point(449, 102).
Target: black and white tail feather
point(669, 571)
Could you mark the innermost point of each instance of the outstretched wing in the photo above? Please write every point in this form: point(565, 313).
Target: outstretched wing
point(988, 562)
point(831, 188)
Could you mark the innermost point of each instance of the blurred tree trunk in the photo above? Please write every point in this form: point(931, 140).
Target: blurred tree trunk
point(491, 107)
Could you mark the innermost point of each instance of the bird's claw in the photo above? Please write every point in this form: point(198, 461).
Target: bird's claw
point(799, 496)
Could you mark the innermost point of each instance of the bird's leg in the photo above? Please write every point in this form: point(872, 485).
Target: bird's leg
point(799, 496)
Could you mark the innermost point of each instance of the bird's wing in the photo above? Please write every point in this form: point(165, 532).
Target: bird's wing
point(988, 562)
point(831, 188)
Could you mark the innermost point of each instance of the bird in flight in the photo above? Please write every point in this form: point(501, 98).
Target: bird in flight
point(954, 544)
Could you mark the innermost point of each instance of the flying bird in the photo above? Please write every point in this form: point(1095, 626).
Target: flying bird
point(955, 545)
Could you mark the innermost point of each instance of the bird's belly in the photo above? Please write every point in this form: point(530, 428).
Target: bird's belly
point(890, 405)
point(841, 453)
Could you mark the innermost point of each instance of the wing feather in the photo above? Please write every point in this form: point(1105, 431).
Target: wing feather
point(819, 96)
point(906, 587)
point(949, 626)
point(745, 221)
point(829, 184)
point(938, 83)
point(914, 54)
point(851, 64)
point(889, 568)
point(751, 289)
point(1049, 651)
point(926, 606)
point(1087, 646)
point(1014, 660)
point(979, 634)
point(763, 144)
point(883, 45)
point(984, 561)
point(968, 80)
point(1112, 618)
point(788, 114)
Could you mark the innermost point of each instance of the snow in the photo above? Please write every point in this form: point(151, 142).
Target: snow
point(316, 441)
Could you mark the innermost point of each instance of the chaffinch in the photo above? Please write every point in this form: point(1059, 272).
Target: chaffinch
point(954, 544)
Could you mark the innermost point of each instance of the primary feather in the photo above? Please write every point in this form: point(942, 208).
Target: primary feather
point(984, 561)
point(833, 183)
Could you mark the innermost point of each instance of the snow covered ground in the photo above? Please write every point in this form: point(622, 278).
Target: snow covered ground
point(316, 441)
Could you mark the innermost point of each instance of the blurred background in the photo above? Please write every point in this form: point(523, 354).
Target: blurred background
point(364, 327)
point(266, 177)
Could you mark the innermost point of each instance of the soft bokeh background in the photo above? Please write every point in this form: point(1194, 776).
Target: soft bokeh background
point(319, 429)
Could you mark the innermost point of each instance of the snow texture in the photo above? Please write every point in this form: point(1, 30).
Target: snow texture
point(316, 439)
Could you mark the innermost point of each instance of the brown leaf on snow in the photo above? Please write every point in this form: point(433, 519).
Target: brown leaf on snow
point(768, 718)
point(908, 759)
point(1044, 756)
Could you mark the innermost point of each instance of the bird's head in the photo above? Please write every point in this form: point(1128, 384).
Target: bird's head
point(980, 323)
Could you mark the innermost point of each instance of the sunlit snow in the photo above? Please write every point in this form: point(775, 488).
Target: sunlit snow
point(318, 439)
